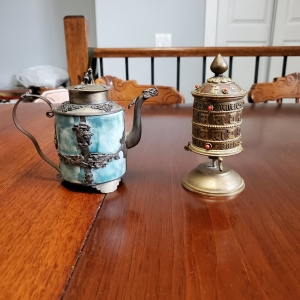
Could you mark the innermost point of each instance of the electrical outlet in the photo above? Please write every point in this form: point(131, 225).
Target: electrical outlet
point(163, 39)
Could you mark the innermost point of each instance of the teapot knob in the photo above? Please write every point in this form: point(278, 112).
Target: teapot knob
point(88, 77)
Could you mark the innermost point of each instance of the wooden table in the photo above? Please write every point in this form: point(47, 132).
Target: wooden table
point(152, 239)
point(12, 93)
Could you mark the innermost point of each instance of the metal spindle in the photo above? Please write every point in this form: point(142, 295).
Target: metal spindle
point(230, 67)
point(204, 69)
point(256, 69)
point(126, 68)
point(284, 66)
point(178, 73)
point(101, 66)
point(152, 70)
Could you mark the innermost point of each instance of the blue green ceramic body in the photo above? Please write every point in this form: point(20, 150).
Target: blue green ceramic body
point(107, 139)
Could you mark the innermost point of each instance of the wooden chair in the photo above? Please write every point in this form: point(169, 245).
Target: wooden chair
point(281, 87)
point(125, 91)
point(12, 94)
point(121, 91)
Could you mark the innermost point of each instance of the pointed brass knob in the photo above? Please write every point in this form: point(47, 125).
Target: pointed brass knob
point(219, 65)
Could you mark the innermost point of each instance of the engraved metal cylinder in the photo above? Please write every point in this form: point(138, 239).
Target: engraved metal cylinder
point(217, 117)
point(216, 132)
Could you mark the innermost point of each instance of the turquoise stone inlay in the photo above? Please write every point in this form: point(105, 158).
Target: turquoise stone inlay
point(72, 173)
point(67, 142)
point(108, 130)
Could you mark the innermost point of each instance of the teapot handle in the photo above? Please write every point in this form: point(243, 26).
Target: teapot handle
point(49, 114)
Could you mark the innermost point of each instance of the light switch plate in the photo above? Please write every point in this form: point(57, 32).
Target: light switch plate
point(163, 39)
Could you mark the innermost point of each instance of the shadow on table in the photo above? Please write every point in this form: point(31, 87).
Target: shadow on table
point(79, 188)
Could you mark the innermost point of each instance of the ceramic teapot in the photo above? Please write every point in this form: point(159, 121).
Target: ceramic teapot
point(90, 135)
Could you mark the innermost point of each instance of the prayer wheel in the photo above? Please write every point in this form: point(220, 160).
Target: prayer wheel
point(216, 132)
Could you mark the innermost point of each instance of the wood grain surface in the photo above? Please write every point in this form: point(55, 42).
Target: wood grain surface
point(197, 51)
point(43, 223)
point(76, 40)
point(152, 239)
point(281, 87)
point(124, 92)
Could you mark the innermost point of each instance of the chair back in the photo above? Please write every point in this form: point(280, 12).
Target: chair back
point(281, 87)
point(125, 91)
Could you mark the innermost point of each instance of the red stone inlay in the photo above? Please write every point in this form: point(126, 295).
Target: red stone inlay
point(210, 108)
point(225, 91)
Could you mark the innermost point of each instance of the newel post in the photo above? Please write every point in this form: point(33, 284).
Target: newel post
point(76, 47)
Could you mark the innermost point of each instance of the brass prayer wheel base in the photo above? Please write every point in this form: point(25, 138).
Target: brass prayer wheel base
point(208, 180)
point(226, 152)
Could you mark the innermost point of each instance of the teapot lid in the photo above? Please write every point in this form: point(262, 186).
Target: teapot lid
point(219, 86)
point(89, 93)
point(88, 98)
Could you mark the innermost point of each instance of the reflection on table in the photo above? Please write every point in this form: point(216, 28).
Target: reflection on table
point(152, 238)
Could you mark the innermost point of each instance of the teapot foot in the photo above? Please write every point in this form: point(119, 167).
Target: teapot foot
point(108, 187)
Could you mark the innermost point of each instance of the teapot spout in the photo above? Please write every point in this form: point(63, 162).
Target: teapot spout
point(134, 136)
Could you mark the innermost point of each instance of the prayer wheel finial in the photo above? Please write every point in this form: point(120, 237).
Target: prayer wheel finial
point(219, 65)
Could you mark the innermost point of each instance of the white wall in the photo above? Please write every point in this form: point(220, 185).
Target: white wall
point(32, 33)
point(132, 23)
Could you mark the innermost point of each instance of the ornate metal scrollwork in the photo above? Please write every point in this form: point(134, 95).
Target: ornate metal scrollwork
point(73, 160)
point(88, 77)
point(88, 177)
point(83, 134)
point(218, 79)
point(79, 87)
point(95, 160)
point(67, 106)
point(151, 92)
point(107, 106)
